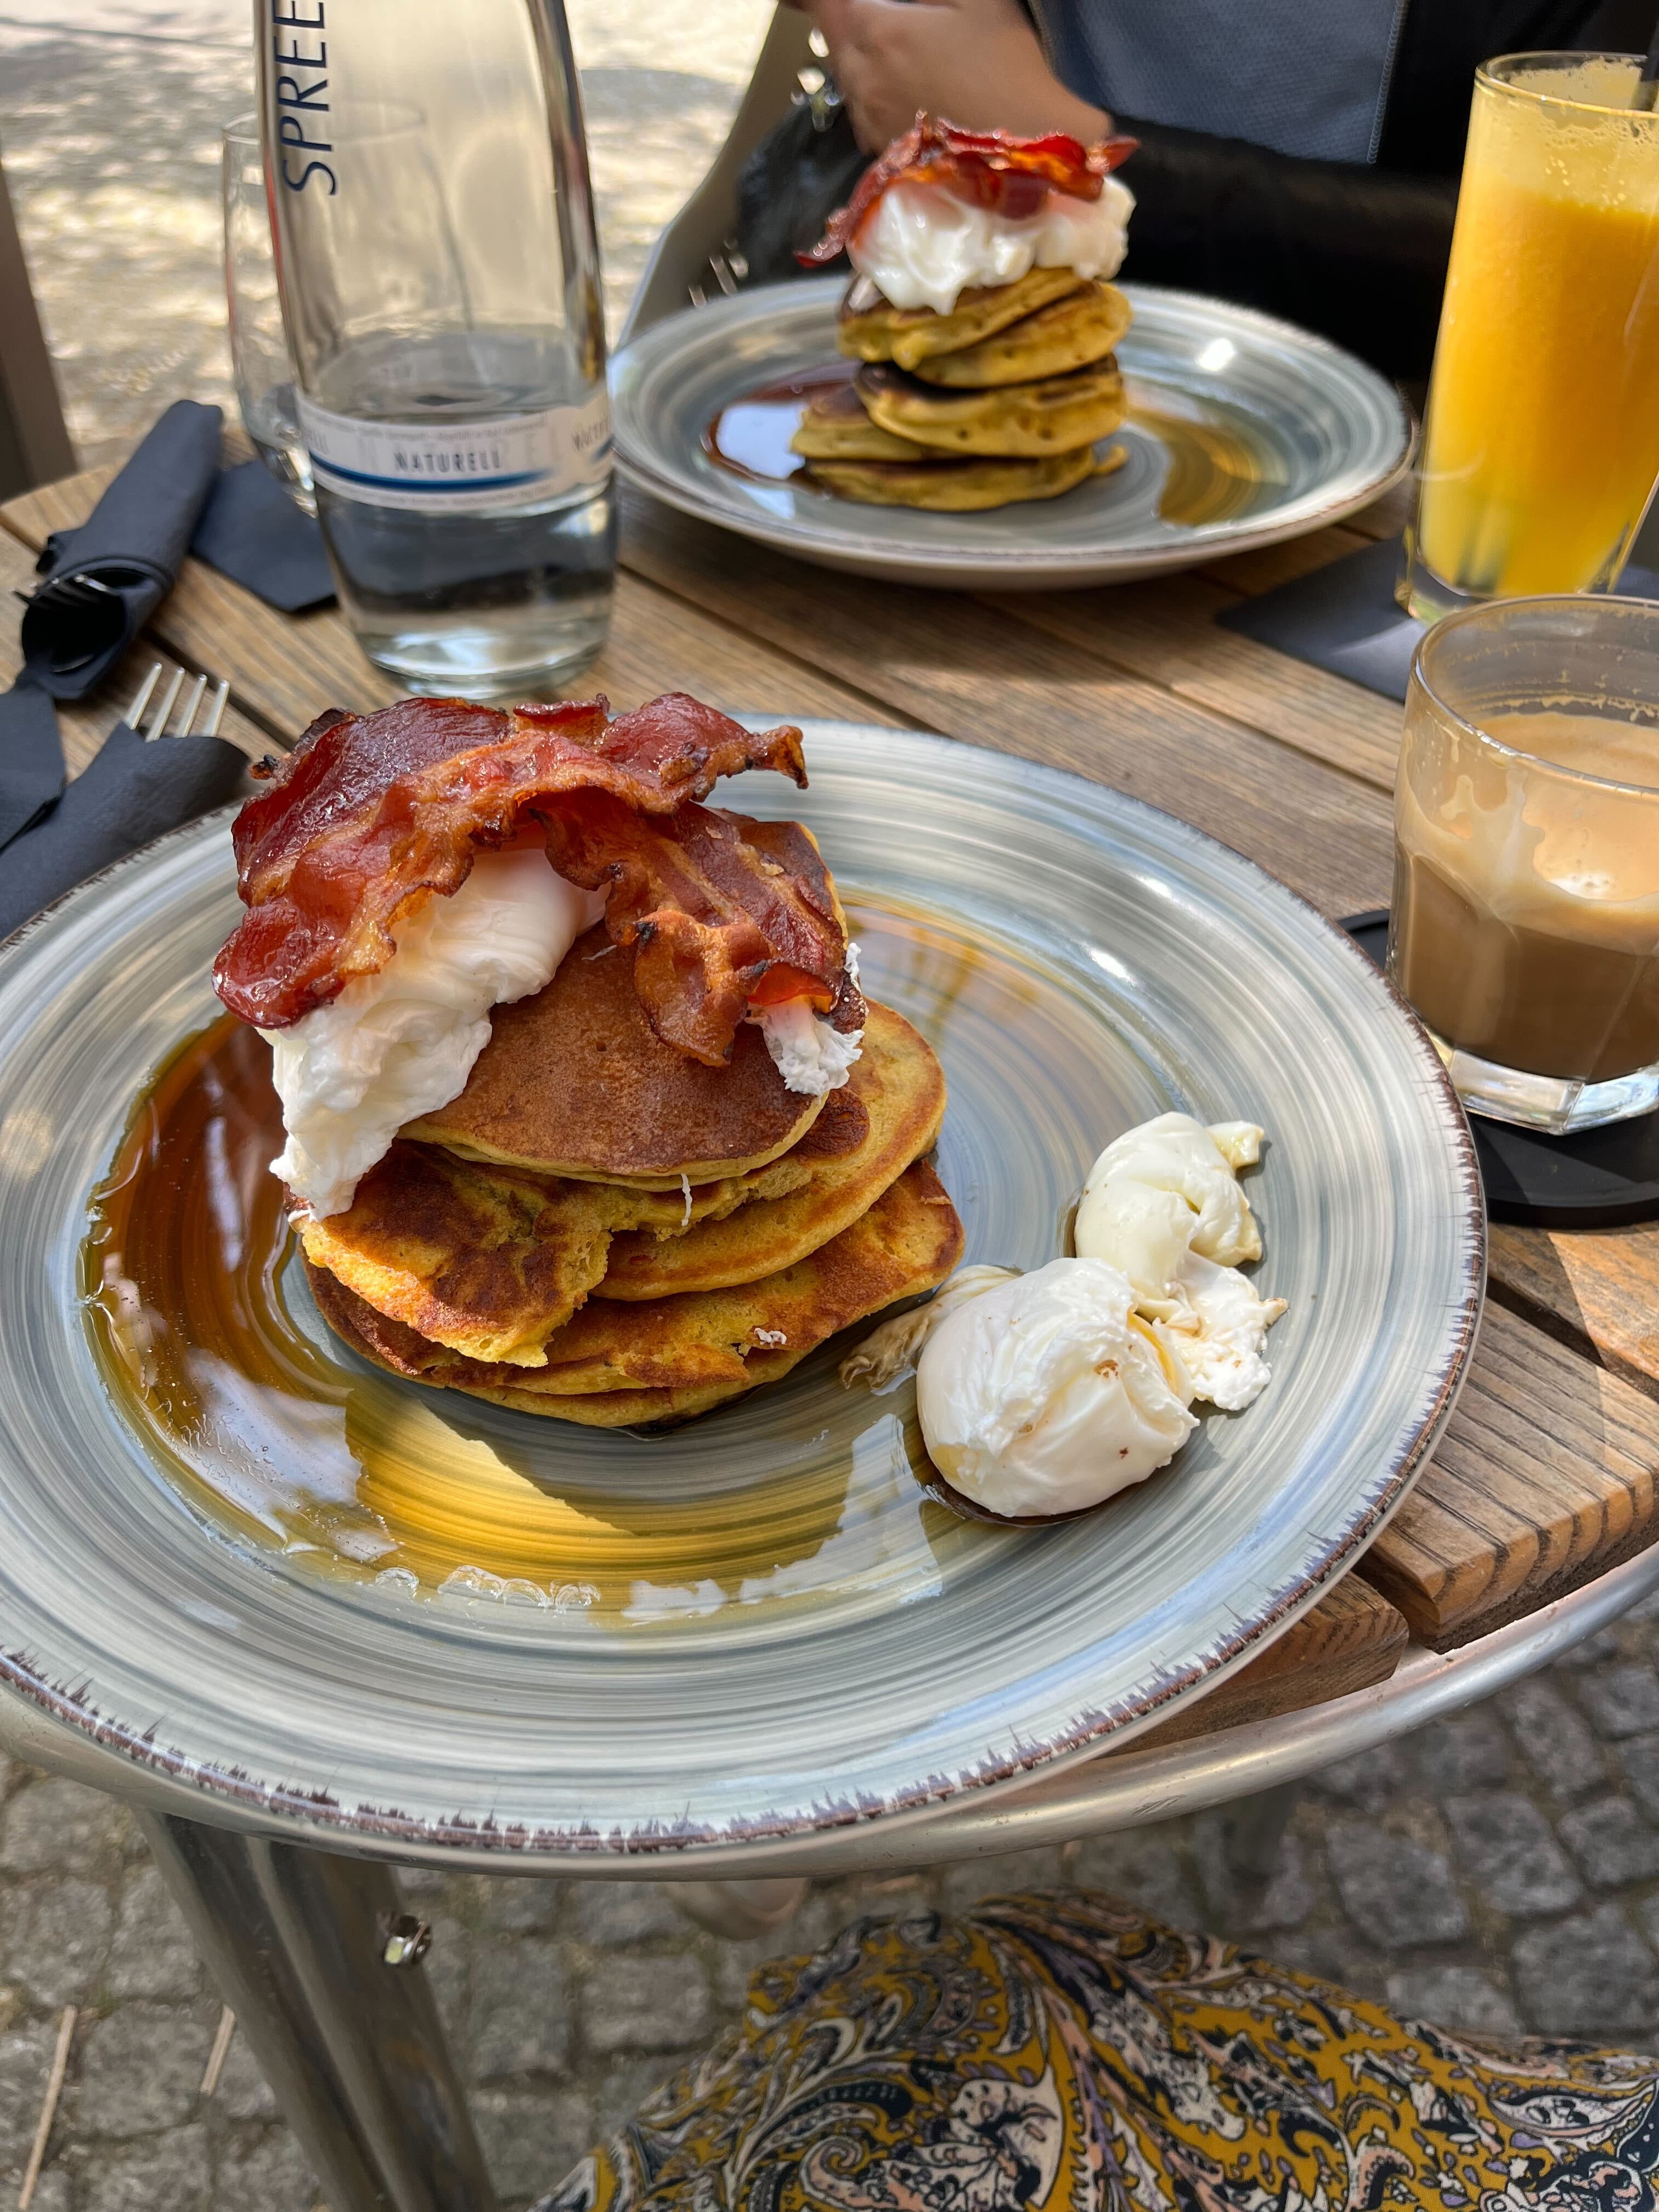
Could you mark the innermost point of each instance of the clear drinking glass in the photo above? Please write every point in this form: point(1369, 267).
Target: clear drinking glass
point(258, 349)
point(1541, 441)
point(1525, 922)
point(441, 290)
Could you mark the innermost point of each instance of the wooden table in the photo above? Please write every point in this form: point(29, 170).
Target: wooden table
point(1545, 1479)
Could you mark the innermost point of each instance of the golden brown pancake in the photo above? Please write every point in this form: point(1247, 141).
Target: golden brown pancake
point(574, 1082)
point(1069, 333)
point(891, 1109)
point(870, 328)
point(618, 1365)
point(835, 426)
point(490, 1261)
point(947, 487)
point(649, 1409)
point(485, 1260)
point(1033, 421)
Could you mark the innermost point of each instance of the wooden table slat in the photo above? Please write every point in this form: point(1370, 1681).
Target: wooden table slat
point(1248, 573)
point(1547, 1475)
point(1387, 516)
point(1600, 1287)
point(1350, 1640)
point(287, 669)
point(1167, 631)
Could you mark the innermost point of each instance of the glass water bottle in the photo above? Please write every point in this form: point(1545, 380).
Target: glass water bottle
point(427, 170)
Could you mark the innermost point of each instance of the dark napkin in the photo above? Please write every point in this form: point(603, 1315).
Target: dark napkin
point(105, 579)
point(130, 793)
point(31, 756)
point(251, 532)
point(1344, 617)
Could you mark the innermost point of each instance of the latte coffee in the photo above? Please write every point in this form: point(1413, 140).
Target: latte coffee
point(1527, 905)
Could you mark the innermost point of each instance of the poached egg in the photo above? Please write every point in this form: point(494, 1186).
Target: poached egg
point(810, 1055)
point(1044, 1395)
point(1163, 1204)
point(401, 1042)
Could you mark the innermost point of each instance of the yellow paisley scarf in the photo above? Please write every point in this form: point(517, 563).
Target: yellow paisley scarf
point(1063, 2053)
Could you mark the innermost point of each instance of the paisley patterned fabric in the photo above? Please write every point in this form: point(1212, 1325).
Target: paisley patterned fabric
point(1060, 2051)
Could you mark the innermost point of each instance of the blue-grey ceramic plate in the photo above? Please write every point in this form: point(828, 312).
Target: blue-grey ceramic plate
point(314, 1590)
point(1242, 430)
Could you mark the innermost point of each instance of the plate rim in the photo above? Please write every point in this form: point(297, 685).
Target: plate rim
point(281, 1807)
point(968, 566)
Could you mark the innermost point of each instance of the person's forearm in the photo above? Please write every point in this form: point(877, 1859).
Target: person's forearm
point(975, 62)
point(1031, 113)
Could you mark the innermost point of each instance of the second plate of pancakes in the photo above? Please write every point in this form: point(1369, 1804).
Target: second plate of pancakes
point(311, 1595)
point(1241, 430)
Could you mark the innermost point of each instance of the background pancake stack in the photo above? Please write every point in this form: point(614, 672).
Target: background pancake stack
point(603, 1229)
point(1004, 399)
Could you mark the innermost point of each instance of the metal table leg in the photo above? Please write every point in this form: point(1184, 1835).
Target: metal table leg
point(296, 1939)
point(1259, 1825)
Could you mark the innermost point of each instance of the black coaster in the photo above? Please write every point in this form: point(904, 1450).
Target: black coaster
point(1602, 1179)
point(1344, 617)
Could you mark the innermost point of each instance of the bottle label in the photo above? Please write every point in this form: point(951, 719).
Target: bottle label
point(469, 468)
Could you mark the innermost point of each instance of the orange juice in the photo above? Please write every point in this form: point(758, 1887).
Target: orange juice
point(1542, 442)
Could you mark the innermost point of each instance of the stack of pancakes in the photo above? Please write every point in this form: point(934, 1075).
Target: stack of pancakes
point(602, 1229)
point(1004, 399)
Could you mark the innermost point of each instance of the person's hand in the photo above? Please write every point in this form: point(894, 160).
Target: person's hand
point(975, 62)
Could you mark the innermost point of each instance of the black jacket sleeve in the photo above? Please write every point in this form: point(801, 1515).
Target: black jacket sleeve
point(1357, 254)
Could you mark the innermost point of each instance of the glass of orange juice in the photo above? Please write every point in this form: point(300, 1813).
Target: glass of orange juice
point(1542, 444)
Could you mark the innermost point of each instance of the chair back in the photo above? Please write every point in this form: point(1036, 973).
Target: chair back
point(693, 257)
point(34, 442)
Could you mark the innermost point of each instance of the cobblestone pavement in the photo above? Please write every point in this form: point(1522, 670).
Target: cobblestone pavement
point(1499, 1871)
point(109, 124)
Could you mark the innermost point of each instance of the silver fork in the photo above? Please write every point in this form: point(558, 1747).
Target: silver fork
point(726, 266)
point(159, 719)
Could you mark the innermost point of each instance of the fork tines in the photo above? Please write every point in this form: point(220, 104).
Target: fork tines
point(163, 714)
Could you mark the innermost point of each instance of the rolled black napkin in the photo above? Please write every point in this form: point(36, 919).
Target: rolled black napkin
point(130, 793)
point(105, 579)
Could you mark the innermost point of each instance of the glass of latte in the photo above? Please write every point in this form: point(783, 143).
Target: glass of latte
point(1525, 921)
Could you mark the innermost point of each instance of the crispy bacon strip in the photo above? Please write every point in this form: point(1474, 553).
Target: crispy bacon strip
point(725, 914)
point(370, 814)
point(987, 168)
